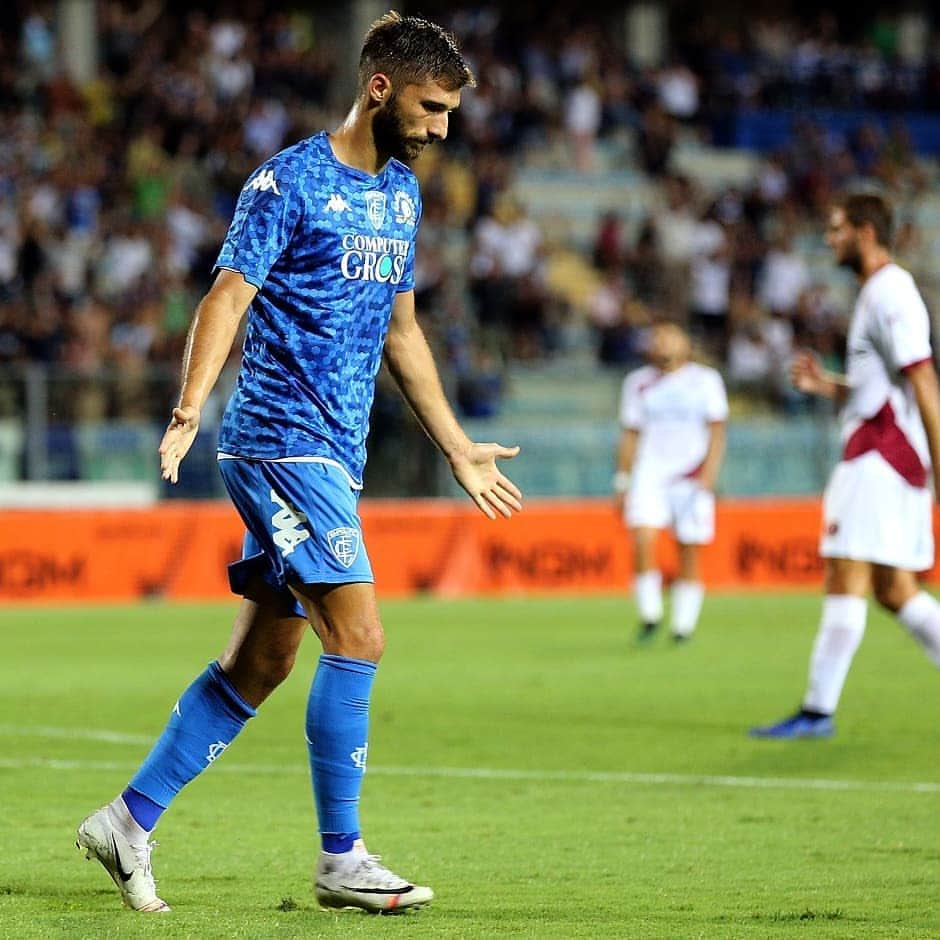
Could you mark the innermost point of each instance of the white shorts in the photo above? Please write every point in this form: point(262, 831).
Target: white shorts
point(681, 505)
point(870, 513)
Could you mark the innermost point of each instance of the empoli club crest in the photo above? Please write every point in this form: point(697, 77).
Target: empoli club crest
point(375, 208)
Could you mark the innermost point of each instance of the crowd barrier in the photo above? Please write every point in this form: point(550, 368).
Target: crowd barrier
point(180, 550)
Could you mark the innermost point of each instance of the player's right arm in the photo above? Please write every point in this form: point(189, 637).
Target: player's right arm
point(626, 454)
point(809, 376)
point(923, 379)
point(631, 417)
point(208, 345)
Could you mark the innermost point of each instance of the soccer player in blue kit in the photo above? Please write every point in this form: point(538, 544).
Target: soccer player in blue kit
point(320, 254)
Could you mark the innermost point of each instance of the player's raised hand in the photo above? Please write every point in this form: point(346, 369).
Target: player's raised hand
point(807, 373)
point(177, 440)
point(477, 473)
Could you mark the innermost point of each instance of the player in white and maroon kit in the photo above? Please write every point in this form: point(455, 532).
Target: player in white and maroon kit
point(672, 415)
point(877, 530)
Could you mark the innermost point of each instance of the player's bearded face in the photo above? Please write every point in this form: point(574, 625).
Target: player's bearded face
point(848, 253)
point(392, 136)
point(843, 240)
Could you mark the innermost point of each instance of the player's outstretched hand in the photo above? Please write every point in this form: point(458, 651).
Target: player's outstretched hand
point(477, 473)
point(807, 374)
point(177, 440)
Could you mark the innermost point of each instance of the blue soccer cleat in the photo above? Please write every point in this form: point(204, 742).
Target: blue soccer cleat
point(800, 725)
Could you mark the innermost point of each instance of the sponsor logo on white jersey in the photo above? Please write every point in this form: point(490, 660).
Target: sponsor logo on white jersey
point(336, 203)
point(265, 182)
point(405, 213)
point(344, 542)
point(375, 207)
point(374, 258)
point(359, 756)
point(287, 524)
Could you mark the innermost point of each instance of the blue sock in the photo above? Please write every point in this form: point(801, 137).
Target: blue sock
point(337, 736)
point(203, 723)
point(142, 808)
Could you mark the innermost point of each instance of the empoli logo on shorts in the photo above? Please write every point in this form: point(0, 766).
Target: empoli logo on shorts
point(344, 543)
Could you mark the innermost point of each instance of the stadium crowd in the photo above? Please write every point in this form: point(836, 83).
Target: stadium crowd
point(115, 195)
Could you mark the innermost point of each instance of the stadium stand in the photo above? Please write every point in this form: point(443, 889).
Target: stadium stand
point(610, 191)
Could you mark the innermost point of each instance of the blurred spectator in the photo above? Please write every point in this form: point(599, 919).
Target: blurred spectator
point(675, 226)
point(645, 265)
point(617, 320)
point(759, 352)
point(710, 284)
point(783, 278)
point(656, 140)
point(678, 91)
point(582, 117)
point(504, 270)
point(610, 248)
point(480, 386)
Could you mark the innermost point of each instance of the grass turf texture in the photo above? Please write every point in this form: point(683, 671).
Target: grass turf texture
point(488, 718)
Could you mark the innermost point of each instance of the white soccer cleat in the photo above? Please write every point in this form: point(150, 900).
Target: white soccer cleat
point(128, 864)
point(356, 879)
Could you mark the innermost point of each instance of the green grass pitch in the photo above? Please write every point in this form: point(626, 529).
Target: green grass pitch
point(547, 777)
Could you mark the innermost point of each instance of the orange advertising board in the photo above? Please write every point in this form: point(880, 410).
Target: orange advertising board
point(180, 549)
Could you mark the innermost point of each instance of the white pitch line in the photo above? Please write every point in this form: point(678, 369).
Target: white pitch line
point(82, 734)
point(537, 776)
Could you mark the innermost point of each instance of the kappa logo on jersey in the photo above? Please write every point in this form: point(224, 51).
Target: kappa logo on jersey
point(265, 182)
point(359, 756)
point(375, 208)
point(344, 543)
point(288, 525)
point(405, 213)
point(336, 203)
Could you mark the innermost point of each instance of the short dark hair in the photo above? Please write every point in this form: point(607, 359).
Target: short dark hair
point(862, 208)
point(411, 50)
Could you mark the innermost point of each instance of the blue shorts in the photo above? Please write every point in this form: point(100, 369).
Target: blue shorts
point(303, 527)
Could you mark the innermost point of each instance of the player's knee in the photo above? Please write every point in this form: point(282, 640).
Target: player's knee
point(371, 641)
point(361, 640)
point(892, 596)
point(272, 668)
point(257, 673)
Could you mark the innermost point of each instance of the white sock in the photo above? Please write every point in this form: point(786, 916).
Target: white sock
point(687, 597)
point(840, 631)
point(648, 589)
point(921, 616)
point(128, 826)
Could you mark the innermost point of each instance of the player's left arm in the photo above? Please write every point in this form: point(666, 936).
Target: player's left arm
point(714, 455)
point(412, 365)
point(716, 414)
point(923, 379)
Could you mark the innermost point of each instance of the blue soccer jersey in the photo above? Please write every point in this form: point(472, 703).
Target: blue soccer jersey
point(328, 247)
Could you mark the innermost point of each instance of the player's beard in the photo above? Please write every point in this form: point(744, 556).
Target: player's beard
point(391, 140)
point(851, 257)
